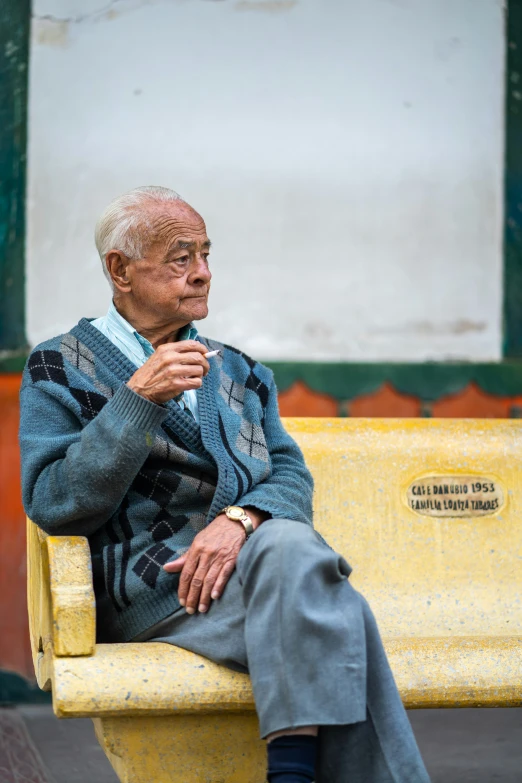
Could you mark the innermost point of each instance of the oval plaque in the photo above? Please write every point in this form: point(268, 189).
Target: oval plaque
point(455, 496)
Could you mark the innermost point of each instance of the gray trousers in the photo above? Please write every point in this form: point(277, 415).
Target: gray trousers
point(309, 641)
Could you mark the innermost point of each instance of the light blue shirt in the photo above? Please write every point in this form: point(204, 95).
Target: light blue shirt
point(138, 349)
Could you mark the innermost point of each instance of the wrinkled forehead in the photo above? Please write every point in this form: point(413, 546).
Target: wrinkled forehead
point(174, 222)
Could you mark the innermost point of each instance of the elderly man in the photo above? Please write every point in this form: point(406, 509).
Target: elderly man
point(198, 505)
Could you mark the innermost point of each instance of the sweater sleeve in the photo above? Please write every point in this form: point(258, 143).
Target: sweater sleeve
point(287, 493)
point(74, 478)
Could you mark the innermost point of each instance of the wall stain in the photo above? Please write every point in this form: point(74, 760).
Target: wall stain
point(445, 50)
point(53, 33)
point(461, 326)
point(268, 6)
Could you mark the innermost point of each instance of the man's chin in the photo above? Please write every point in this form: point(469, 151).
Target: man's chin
point(198, 310)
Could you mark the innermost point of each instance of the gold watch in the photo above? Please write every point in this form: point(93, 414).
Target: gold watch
point(238, 514)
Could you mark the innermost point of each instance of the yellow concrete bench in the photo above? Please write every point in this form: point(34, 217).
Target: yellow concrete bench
point(428, 513)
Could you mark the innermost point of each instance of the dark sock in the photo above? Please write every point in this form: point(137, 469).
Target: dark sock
point(291, 759)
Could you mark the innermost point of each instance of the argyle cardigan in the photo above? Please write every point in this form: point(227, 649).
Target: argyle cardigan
point(139, 479)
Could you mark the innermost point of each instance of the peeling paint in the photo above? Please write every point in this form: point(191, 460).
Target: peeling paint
point(106, 12)
point(55, 18)
point(50, 32)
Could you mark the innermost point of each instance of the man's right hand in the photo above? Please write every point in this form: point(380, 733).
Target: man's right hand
point(172, 369)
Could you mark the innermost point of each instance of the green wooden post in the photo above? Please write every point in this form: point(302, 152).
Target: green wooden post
point(513, 185)
point(14, 54)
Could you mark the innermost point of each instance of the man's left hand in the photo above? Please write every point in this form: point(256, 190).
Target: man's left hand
point(210, 561)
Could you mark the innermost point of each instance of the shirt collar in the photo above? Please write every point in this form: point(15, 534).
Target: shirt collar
point(188, 332)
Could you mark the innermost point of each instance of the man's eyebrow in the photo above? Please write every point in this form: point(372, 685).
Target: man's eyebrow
point(181, 245)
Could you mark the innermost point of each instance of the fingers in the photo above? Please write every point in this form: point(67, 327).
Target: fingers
point(200, 582)
point(171, 354)
point(176, 565)
point(208, 564)
point(178, 371)
point(189, 569)
point(220, 583)
point(194, 359)
point(196, 585)
point(171, 370)
point(208, 584)
point(190, 345)
point(190, 383)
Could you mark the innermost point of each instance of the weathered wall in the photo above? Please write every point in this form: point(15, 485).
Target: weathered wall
point(347, 155)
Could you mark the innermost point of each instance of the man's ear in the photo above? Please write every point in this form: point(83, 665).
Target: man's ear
point(118, 268)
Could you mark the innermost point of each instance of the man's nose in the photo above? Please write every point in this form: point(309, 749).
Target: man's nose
point(201, 274)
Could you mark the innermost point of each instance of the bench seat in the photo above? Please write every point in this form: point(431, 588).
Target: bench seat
point(137, 679)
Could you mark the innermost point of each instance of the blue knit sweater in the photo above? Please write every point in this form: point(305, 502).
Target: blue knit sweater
point(139, 479)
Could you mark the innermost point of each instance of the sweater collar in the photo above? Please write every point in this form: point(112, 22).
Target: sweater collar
point(133, 340)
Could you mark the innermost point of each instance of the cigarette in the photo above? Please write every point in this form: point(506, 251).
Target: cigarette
point(210, 354)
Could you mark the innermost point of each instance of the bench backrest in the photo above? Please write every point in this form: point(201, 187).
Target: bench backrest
point(429, 515)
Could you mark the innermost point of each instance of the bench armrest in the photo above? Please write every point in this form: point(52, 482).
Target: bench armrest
point(60, 595)
point(72, 596)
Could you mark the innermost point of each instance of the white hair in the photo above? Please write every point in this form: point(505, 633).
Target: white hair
point(125, 224)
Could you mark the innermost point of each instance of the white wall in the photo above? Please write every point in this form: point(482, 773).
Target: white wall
point(347, 156)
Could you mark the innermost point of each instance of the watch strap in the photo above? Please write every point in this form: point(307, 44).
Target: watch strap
point(244, 520)
point(247, 524)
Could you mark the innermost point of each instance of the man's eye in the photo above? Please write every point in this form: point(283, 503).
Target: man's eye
point(182, 260)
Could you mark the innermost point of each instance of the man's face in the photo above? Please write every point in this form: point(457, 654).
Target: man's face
point(172, 282)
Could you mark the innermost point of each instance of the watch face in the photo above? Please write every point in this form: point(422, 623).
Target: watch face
point(235, 512)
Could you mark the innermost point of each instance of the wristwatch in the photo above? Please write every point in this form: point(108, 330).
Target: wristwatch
point(238, 514)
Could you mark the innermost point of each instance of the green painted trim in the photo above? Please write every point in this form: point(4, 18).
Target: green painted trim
point(12, 361)
point(14, 57)
point(15, 689)
point(429, 382)
point(513, 185)
point(346, 380)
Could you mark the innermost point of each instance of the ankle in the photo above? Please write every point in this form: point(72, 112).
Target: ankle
point(292, 758)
